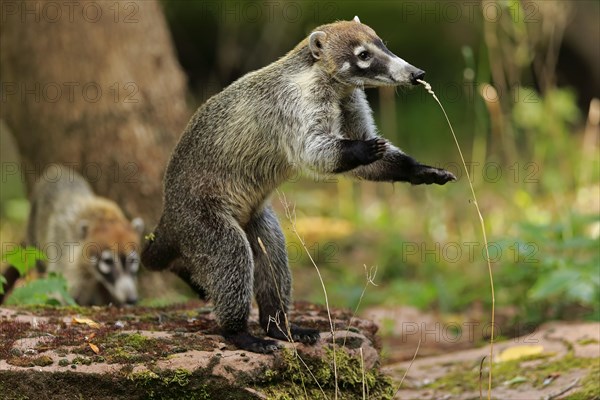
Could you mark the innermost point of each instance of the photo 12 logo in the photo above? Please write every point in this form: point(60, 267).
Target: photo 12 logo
point(456, 252)
point(93, 172)
point(71, 11)
point(71, 92)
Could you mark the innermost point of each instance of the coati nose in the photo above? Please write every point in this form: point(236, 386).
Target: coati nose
point(131, 301)
point(418, 74)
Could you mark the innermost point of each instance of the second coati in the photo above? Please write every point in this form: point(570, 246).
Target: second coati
point(305, 111)
point(86, 238)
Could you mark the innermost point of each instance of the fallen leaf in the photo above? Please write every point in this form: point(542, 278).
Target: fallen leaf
point(550, 378)
point(86, 321)
point(94, 348)
point(515, 380)
point(517, 352)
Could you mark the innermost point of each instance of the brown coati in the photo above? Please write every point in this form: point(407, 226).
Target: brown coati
point(86, 238)
point(306, 111)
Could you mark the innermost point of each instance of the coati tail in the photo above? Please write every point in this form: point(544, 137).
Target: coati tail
point(11, 275)
point(157, 253)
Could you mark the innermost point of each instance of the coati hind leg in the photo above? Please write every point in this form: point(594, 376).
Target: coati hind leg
point(272, 278)
point(218, 255)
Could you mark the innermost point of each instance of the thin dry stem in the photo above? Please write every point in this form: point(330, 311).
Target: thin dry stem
point(362, 369)
point(371, 274)
point(291, 216)
point(287, 333)
point(480, 377)
point(287, 322)
point(482, 224)
point(409, 366)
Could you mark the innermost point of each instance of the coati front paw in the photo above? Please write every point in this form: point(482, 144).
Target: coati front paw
point(299, 334)
point(245, 341)
point(355, 153)
point(371, 150)
point(428, 175)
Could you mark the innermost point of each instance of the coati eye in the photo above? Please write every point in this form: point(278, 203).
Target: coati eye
point(105, 265)
point(364, 55)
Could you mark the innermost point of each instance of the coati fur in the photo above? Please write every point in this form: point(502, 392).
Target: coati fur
point(86, 238)
point(305, 111)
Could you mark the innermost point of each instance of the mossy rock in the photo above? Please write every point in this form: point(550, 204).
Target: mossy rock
point(176, 353)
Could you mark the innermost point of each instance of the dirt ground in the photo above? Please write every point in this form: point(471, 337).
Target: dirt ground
point(558, 360)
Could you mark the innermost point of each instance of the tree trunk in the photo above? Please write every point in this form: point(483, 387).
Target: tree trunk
point(95, 85)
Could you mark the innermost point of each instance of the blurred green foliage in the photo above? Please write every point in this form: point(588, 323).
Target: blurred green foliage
point(24, 259)
point(51, 290)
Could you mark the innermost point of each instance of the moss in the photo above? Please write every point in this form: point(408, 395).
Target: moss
point(590, 386)
point(158, 385)
point(41, 361)
point(185, 385)
point(587, 341)
point(129, 348)
point(81, 361)
point(465, 376)
point(137, 341)
point(297, 377)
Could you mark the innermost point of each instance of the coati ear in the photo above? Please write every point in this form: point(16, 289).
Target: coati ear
point(356, 19)
point(82, 228)
point(315, 43)
point(138, 225)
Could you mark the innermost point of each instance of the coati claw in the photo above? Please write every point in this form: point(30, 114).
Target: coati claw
point(305, 335)
point(245, 341)
point(428, 175)
point(299, 334)
point(374, 150)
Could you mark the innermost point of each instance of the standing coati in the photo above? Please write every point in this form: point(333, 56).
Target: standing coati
point(86, 238)
point(306, 111)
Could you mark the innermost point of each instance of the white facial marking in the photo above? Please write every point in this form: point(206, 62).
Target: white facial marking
point(108, 262)
point(364, 64)
point(358, 50)
point(345, 67)
point(133, 262)
point(383, 78)
point(104, 266)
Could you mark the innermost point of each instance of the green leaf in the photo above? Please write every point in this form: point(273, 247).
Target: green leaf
point(554, 283)
point(583, 291)
point(23, 258)
point(49, 291)
point(516, 380)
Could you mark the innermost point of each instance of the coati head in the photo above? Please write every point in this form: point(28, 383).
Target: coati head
point(111, 251)
point(354, 55)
